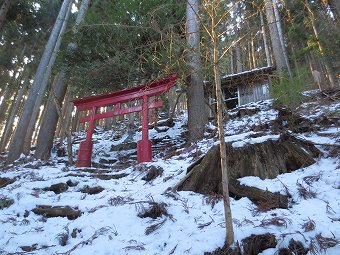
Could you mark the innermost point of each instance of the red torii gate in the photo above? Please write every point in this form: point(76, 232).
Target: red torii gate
point(116, 98)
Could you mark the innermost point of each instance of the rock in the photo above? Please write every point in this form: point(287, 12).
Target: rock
point(91, 190)
point(5, 202)
point(31, 248)
point(124, 147)
point(71, 184)
point(57, 188)
point(107, 161)
point(153, 172)
point(61, 152)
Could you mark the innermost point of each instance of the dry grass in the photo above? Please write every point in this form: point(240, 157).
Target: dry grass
point(134, 247)
point(99, 232)
point(277, 221)
point(118, 200)
point(212, 199)
point(313, 248)
point(154, 211)
point(203, 225)
point(63, 238)
point(304, 192)
point(152, 228)
point(325, 242)
point(171, 194)
point(312, 178)
point(243, 222)
point(329, 209)
point(309, 225)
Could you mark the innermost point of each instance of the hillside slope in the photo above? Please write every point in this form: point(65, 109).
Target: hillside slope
point(119, 209)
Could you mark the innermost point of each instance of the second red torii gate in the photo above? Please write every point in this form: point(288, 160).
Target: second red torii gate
point(116, 98)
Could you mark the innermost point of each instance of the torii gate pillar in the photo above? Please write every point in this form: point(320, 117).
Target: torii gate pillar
point(144, 150)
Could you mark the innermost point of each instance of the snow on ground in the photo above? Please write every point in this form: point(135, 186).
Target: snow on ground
point(109, 223)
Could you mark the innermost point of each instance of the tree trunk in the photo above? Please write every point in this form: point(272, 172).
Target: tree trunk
point(171, 100)
point(335, 8)
point(66, 119)
point(265, 41)
point(108, 121)
point(253, 57)
point(43, 85)
point(250, 60)
point(231, 65)
point(45, 141)
point(3, 12)
point(5, 103)
point(16, 146)
point(275, 39)
point(239, 66)
point(50, 119)
point(75, 122)
point(223, 152)
point(197, 115)
point(316, 33)
point(10, 121)
point(279, 29)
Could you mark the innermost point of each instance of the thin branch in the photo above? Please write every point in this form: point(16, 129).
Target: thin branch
point(226, 13)
point(226, 50)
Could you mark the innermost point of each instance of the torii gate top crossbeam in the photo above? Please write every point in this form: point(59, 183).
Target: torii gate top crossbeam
point(150, 89)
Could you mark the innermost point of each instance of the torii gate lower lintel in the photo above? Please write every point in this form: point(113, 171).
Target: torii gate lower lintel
point(142, 92)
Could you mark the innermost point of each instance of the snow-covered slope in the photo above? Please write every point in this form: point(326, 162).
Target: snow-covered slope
point(193, 223)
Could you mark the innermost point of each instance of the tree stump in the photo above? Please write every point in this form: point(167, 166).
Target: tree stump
point(265, 160)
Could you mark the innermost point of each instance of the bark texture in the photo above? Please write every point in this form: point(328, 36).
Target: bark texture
point(265, 40)
point(3, 12)
point(283, 44)
point(10, 120)
point(50, 119)
point(197, 115)
point(275, 38)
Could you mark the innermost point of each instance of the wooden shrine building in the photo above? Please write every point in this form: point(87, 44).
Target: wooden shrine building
point(246, 87)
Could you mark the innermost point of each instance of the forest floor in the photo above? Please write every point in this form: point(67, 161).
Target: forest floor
point(121, 207)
